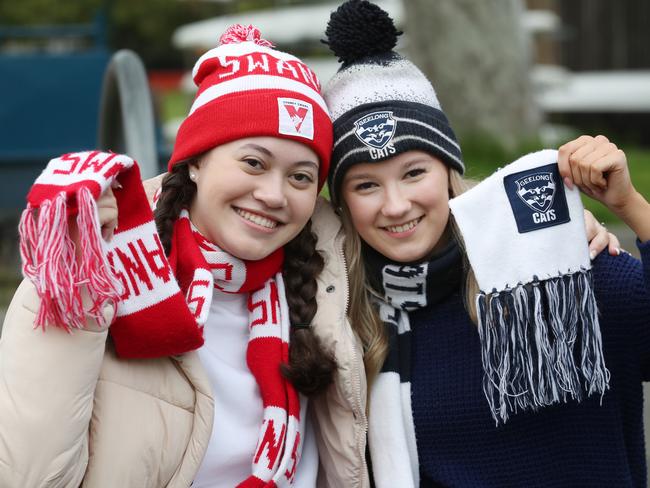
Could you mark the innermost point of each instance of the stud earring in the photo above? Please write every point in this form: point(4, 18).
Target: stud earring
point(193, 176)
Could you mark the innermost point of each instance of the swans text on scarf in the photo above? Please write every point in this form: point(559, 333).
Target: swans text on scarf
point(272, 444)
point(265, 302)
point(95, 161)
point(139, 263)
point(265, 312)
point(537, 201)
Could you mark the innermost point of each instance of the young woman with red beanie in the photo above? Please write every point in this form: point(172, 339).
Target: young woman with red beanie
point(179, 353)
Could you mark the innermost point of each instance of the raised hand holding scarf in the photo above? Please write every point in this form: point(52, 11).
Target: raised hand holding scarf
point(525, 239)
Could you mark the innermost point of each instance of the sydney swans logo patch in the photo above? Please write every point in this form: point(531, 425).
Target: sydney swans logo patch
point(375, 130)
point(296, 118)
point(536, 199)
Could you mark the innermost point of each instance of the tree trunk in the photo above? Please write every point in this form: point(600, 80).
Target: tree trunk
point(477, 55)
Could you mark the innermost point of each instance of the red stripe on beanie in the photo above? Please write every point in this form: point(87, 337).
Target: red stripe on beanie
point(241, 115)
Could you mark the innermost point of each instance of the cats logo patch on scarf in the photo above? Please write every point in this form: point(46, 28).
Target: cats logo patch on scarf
point(537, 198)
point(376, 130)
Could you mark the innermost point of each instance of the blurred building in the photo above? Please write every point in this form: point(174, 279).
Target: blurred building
point(591, 58)
point(592, 62)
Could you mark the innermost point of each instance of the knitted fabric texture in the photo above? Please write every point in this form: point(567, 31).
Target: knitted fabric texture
point(381, 103)
point(403, 288)
point(67, 188)
point(131, 273)
point(590, 444)
point(279, 444)
point(538, 321)
point(248, 89)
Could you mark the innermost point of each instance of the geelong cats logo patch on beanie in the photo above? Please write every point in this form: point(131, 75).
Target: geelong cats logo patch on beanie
point(375, 130)
point(537, 198)
point(296, 118)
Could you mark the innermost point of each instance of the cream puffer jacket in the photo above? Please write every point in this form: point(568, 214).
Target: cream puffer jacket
point(73, 414)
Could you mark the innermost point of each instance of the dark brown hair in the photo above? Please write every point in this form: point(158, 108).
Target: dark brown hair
point(310, 368)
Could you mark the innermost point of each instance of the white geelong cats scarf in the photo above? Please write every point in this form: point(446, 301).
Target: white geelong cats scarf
point(525, 239)
point(161, 303)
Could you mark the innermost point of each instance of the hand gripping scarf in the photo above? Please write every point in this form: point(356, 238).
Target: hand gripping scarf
point(538, 325)
point(161, 304)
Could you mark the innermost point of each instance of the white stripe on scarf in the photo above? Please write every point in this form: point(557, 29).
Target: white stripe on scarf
point(391, 431)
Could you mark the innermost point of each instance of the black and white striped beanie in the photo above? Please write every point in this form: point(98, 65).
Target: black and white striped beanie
point(381, 104)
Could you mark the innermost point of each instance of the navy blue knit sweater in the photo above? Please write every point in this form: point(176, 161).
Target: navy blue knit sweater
point(567, 445)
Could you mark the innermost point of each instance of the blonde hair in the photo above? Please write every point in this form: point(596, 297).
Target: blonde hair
point(362, 313)
point(457, 186)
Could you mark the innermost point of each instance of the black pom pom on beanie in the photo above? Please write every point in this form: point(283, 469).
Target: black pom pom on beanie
point(358, 29)
point(381, 104)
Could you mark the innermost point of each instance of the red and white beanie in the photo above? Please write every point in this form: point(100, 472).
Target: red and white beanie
point(248, 89)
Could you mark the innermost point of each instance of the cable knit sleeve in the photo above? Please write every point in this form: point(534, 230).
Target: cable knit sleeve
point(622, 286)
point(644, 333)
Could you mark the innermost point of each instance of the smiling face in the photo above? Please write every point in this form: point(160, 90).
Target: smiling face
point(254, 195)
point(399, 206)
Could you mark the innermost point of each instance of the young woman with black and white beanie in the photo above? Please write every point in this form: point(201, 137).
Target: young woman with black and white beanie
point(497, 354)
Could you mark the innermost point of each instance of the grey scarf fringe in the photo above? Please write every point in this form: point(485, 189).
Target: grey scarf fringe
point(541, 344)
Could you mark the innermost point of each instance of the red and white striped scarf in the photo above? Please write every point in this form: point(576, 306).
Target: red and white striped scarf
point(161, 304)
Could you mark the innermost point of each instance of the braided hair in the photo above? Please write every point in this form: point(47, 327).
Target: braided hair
point(176, 193)
point(311, 368)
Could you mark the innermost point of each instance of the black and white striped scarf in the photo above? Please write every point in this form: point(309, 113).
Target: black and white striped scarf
point(404, 287)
